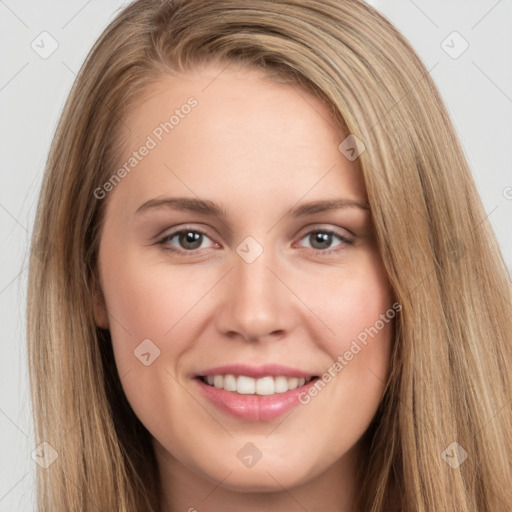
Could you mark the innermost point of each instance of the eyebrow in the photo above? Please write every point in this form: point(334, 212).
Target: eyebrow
point(207, 207)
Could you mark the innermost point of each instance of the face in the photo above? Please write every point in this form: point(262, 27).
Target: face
point(252, 332)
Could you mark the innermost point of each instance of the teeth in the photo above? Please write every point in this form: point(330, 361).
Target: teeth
point(281, 384)
point(245, 385)
point(293, 382)
point(249, 386)
point(265, 386)
point(230, 383)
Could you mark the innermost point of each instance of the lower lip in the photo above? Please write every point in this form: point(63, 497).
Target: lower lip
point(254, 407)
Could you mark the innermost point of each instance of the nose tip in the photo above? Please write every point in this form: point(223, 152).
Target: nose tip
point(255, 304)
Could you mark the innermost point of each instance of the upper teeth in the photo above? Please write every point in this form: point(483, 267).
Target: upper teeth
point(249, 386)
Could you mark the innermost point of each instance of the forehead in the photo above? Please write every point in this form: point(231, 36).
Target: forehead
point(227, 97)
point(235, 127)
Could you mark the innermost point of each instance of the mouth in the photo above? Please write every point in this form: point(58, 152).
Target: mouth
point(254, 394)
point(263, 386)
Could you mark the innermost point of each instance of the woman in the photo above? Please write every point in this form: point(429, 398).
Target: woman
point(261, 369)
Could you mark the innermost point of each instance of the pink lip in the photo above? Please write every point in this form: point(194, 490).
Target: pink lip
point(254, 407)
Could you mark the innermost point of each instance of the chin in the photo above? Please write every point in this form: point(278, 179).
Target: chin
point(245, 481)
point(262, 477)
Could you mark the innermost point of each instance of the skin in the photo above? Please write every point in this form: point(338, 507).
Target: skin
point(257, 148)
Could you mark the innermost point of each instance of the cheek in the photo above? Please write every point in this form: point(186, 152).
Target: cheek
point(353, 304)
point(149, 302)
point(360, 315)
point(148, 307)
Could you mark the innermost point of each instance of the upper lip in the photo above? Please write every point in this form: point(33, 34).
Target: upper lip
point(267, 370)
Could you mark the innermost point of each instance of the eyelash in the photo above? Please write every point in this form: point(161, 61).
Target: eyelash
point(164, 241)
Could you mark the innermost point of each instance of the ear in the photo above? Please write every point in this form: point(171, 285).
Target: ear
point(99, 305)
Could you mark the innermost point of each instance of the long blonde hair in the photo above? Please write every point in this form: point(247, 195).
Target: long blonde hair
point(450, 380)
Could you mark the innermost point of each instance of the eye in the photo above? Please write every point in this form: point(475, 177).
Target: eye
point(322, 239)
point(189, 241)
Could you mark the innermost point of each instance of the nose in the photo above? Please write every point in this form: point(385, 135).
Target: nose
point(257, 303)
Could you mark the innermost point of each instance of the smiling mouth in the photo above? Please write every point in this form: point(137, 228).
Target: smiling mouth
point(264, 386)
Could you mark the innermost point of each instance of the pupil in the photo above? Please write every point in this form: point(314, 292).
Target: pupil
point(322, 238)
point(189, 237)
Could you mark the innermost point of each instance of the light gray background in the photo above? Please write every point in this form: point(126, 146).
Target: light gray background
point(477, 87)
